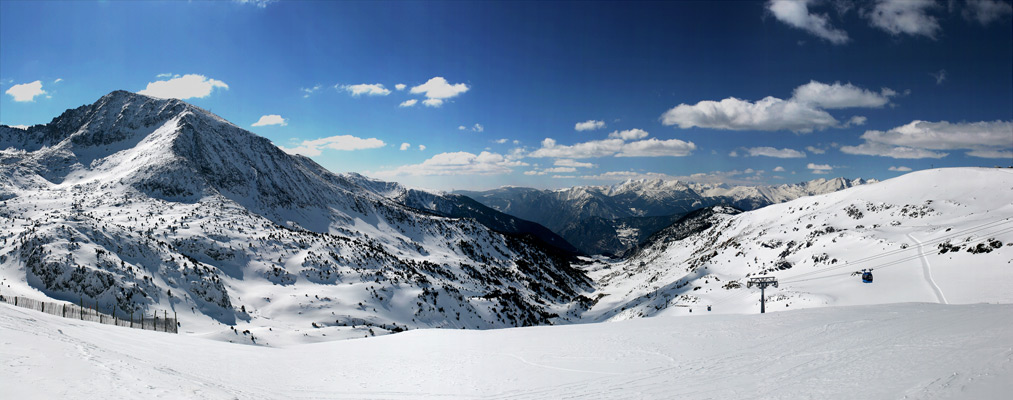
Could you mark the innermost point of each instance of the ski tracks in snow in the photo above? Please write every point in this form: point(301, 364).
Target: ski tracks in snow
point(928, 271)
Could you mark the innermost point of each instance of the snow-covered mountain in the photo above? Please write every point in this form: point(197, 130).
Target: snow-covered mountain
point(614, 218)
point(145, 204)
point(943, 235)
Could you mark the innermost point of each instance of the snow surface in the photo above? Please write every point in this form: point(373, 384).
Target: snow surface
point(898, 227)
point(916, 350)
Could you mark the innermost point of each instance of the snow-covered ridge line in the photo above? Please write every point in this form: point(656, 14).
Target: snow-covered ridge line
point(149, 204)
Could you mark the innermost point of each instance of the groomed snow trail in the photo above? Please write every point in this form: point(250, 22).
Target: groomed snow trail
point(928, 271)
point(914, 350)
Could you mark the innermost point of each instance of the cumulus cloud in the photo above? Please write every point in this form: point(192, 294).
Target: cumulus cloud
point(836, 95)
point(58, 80)
point(422, 147)
point(589, 125)
point(26, 92)
point(458, 163)
point(802, 113)
point(900, 169)
point(657, 148)
point(369, 89)
point(405, 146)
point(565, 162)
point(630, 134)
point(314, 147)
point(400, 86)
point(985, 12)
point(909, 17)
point(815, 150)
point(796, 14)
point(501, 141)
point(591, 149)
point(408, 103)
point(183, 87)
point(437, 90)
point(923, 139)
point(779, 169)
point(273, 119)
point(819, 169)
point(857, 120)
point(768, 114)
point(776, 153)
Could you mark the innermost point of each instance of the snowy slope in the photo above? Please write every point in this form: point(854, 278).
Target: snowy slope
point(145, 204)
point(942, 235)
point(921, 351)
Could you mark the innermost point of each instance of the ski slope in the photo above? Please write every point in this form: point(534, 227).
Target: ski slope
point(914, 350)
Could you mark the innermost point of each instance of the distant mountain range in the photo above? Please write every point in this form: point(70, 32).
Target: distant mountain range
point(612, 219)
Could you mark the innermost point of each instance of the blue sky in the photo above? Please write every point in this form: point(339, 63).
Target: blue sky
point(494, 93)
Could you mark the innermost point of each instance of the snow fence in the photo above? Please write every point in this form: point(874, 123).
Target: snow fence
point(136, 321)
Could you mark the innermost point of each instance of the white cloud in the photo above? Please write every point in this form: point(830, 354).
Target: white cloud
point(815, 150)
point(768, 114)
point(796, 13)
point(591, 149)
point(162, 76)
point(986, 11)
point(857, 120)
point(657, 148)
point(920, 139)
point(405, 146)
point(533, 172)
point(733, 153)
point(900, 169)
point(25, 92)
point(630, 134)
point(501, 141)
point(589, 125)
point(408, 103)
point(802, 113)
point(308, 91)
point(940, 76)
point(884, 150)
point(1007, 154)
point(565, 162)
point(837, 95)
point(422, 147)
point(819, 168)
point(183, 87)
point(58, 80)
point(22, 127)
point(314, 147)
point(560, 170)
point(776, 153)
point(477, 128)
point(462, 127)
point(273, 119)
point(437, 90)
point(458, 163)
point(369, 89)
point(400, 86)
point(616, 146)
point(779, 169)
point(909, 17)
point(258, 3)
